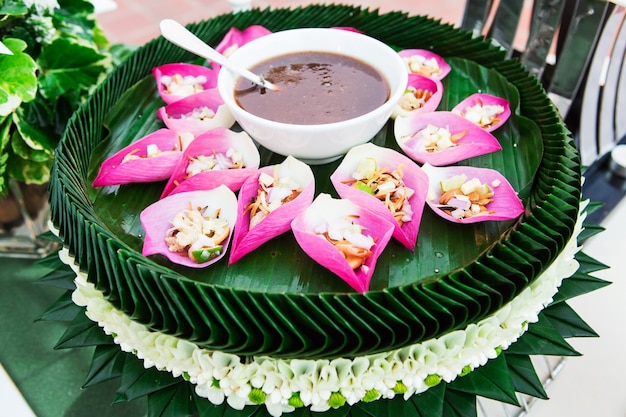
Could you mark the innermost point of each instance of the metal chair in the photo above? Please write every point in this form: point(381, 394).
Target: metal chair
point(576, 50)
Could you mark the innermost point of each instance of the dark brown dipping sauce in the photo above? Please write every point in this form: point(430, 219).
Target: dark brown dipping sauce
point(315, 88)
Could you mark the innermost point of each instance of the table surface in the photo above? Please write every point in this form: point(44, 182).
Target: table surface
point(50, 380)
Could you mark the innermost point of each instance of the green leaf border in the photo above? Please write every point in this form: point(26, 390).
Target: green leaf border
point(501, 379)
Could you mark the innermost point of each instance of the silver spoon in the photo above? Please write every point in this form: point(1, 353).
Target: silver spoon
point(181, 36)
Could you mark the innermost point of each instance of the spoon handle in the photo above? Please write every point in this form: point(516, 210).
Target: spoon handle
point(182, 37)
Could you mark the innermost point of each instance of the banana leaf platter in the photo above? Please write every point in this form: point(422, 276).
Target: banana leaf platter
point(276, 301)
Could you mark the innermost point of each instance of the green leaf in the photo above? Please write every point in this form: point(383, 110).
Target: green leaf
point(63, 309)
point(567, 322)
point(28, 171)
point(542, 338)
point(206, 409)
point(5, 134)
point(19, 81)
point(67, 64)
point(275, 268)
point(13, 8)
point(458, 404)
point(431, 402)
point(81, 333)
point(493, 380)
point(589, 264)
point(589, 230)
point(31, 142)
point(525, 379)
point(107, 363)
point(173, 401)
point(578, 284)
point(138, 381)
point(60, 278)
point(593, 206)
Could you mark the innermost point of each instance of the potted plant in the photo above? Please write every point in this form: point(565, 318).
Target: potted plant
point(52, 55)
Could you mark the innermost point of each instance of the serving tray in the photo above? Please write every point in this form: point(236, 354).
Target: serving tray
point(276, 301)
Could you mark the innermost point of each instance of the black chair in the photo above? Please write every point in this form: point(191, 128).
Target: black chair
point(576, 50)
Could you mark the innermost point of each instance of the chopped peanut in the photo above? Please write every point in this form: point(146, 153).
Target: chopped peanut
point(414, 99)
point(468, 200)
point(194, 230)
point(272, 193)
point(389, 188)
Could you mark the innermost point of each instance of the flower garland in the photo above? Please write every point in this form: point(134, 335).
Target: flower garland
point(283, 385)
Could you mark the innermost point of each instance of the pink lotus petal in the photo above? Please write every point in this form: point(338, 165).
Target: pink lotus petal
point(178, 116)
point(198, 72)
point(484, 100)
point(348, 28)
point(279, 220)
point(325, 210)
point(215, 141)
point(440, 69)
point(414, 178)
point(474, 142)
point(419, 82)
point(156, 220)
point(506, 204)
point(236, 38)
point(115, 171)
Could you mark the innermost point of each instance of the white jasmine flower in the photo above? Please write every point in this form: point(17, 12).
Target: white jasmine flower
point(43, 28)
point(42, 6)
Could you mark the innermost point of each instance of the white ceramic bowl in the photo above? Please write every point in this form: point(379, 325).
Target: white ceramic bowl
point(321, 143)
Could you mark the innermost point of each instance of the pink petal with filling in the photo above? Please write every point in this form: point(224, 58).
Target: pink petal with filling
point(236, 38)
point(474, 142)
point(480, 99)
point(444, 67)
point(215, 141)
point(114, 171)
point(419, 82)
point(279, 220)
point(156, 220)
point(325, 209)
point(414, 178)
point(170, 70)
point(178, 116)
point(506, 204)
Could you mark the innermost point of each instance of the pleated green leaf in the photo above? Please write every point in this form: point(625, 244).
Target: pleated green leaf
point(492, 380)
point(137, 381)
point(525, 379)
point(590, 230)
point(82, 332)
point(173, 401)
point(459, 404)
point(542, 338)
point(567, 322)
point(107, 363)
point(61, 277)
point(432, 402)
point(588, 264)
point(63, 309)
point(578, 284)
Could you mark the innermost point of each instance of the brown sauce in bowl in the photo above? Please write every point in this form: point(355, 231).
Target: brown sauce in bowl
point(315, 88)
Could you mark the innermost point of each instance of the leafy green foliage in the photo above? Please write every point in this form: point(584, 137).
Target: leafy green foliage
point(19, 81)
point(59, 56)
